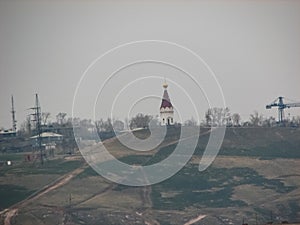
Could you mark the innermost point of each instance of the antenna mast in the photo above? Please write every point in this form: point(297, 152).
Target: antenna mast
point(13, 112)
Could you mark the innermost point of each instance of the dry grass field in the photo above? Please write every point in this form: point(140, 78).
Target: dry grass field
point(236, 186)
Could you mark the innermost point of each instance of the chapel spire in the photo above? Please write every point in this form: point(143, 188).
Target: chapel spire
point(166, 108)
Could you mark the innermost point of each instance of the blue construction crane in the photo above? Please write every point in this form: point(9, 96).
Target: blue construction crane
point(278, 102)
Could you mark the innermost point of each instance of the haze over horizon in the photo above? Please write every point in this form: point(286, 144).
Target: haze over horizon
point(252, 47)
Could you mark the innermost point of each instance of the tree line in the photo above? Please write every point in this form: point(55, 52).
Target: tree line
point(222, 116)
point(89, 129)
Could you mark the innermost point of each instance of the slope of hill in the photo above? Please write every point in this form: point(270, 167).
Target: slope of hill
point(256, 172)
point(258, 142)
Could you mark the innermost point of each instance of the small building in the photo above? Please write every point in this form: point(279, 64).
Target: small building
point(48, 139)
point(166, 109)
point(7, 133)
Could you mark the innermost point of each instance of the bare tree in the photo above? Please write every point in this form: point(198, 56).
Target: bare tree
point(208, 117)
point(26, 127)
point(217, 116)
point(256, 119)
point(103, 126)
point(140, 121)
point(236, 119)
point(295, 121)
point(118, 125)
point(45, 117)
point(108, 125)
point(61, 118)
point(269, 122)
point(99, 126)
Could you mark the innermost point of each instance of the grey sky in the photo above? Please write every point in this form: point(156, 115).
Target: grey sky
point(252, 46)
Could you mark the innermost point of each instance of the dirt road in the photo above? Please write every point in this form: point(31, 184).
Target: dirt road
point(192, 221)
point(13, 210)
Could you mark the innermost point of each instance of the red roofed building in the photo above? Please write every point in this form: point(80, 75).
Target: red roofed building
point(166, 109)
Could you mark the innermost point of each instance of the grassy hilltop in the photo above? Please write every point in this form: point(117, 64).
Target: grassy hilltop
point(256, 172)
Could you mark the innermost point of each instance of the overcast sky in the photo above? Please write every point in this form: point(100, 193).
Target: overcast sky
point(45, 47)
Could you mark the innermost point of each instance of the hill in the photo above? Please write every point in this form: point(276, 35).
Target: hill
point(256, 174)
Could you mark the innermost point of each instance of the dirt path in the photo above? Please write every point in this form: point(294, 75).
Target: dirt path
point(102, 192)
point(9, 215)
point(147, 204)
point(192, 221)
point(13, 210)
point(146, 192)
point(146, 196)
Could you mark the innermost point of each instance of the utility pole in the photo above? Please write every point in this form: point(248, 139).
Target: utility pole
point(13, 113)
point(37, 119)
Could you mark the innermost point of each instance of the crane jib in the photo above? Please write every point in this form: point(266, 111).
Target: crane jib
point(278, 102)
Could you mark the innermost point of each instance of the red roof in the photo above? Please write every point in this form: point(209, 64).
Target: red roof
point(166, 102)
